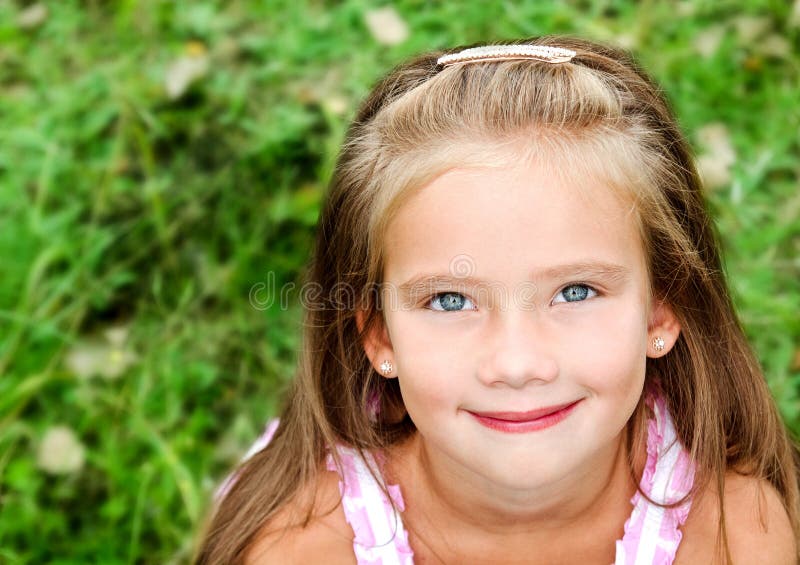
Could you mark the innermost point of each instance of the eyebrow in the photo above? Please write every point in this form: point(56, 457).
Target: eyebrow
point(588, 269)
point(422, 282)
point(609, 272)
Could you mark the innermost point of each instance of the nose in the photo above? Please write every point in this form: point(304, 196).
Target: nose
point(519, 351)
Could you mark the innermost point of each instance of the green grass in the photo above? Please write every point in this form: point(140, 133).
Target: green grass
point(121, 207)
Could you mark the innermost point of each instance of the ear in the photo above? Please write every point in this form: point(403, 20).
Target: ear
point(663, 324)
point(377, 345)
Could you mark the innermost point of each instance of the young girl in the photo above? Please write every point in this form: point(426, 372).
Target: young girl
point(522, 347)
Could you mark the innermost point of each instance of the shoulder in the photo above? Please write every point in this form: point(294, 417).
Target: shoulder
point(327, 538)
point(757, 524)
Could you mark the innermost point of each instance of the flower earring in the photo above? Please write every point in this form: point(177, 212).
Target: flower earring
point(386, 367)
point(658, 343)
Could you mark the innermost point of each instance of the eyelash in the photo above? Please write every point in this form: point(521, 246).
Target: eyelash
point(592, 292)
point(430, 300)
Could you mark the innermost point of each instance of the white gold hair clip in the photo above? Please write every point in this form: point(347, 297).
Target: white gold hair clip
point(508, 52)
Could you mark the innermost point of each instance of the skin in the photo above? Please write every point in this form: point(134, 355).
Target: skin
point(558, 495)
point(514, 342)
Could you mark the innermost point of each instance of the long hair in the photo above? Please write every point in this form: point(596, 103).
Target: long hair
point(599, 112)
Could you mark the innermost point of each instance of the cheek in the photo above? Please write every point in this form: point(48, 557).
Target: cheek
point(428, 342)
point(615, 351)
point(428, 366)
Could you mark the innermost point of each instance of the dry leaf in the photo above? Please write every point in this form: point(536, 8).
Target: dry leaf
point(186, 69)
point(717, 140)
point(753, 63)
point(85, 358)
point(707, 42)
point(794, 17)
point(685, 9)
point(108, 358)
point(117, 335)
point(117, 362)
point(776, 46)
point(715, 164)
point(32, 16)
point(751, 28)
point(626, 41)
point(60, 452)
point(386, 26)
point(335, 104)
point(715, 173)
point(195, 49)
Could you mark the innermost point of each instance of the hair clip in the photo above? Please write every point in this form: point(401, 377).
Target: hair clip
point(508, 52)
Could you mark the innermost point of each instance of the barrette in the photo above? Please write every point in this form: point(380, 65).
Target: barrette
point(508, 52)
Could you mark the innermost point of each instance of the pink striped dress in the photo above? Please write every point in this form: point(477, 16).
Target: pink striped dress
point(652, 533)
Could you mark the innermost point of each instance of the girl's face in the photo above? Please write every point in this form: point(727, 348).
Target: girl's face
point(508, 290)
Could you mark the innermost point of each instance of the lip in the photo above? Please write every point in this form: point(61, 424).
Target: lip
point(530, 421)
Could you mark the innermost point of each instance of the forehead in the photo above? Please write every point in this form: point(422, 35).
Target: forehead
point(511, 221)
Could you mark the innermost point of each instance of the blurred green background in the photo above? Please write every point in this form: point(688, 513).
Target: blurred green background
point(158, 159)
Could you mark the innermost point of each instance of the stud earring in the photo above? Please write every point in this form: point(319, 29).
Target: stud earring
point(386, 367)
point(658, 343)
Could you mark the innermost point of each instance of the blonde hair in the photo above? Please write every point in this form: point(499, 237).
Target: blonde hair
point(421, 120)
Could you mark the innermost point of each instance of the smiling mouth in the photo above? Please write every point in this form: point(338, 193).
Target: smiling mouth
point(532, 420)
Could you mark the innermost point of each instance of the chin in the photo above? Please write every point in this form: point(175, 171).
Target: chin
point(527, 473)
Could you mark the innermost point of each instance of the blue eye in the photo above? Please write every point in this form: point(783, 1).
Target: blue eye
point(575, 293)
point(450, 302)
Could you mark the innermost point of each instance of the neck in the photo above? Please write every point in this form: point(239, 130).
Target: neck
point(445, 502)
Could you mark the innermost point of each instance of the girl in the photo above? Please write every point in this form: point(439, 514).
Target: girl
point(524, 349)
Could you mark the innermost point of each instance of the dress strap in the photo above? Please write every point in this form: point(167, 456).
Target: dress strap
point(380, 538)
point(652, 533)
